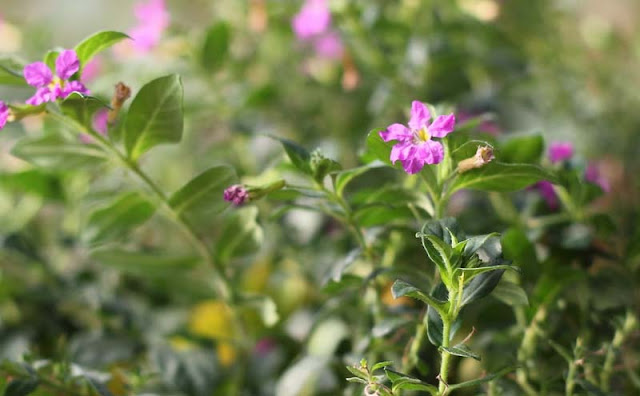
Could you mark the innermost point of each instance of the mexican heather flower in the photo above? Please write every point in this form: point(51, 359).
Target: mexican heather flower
point(328, 45)
point(415, 148)
point(153, 20)
point(236, 194)
point(313, 19)
point(545, 188)
point(50, 87)
point(4, 114)
point(560, 151)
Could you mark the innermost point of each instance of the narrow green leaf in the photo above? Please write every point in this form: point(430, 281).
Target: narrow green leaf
point(156, 264)
point(343, 178)
point(480, 286)
point(510, 293)
point(203, 195)
point(357, 380)
point(461, 350)
point(403, 381)
point(216, 46)
point(155, 116)
point(473, 244)
point(11, 72)
point(496, 176)
point(471, 273)
point(241, 235)
point(380, 365)
point(50, 59)
point(298, 155)
point(115, 220)
point(357, 372)
point(440, 253)
point(95, 43)
point(483, 380)
point(54, 153)
point(521, 149)
point(21, 387)
point(402, 289)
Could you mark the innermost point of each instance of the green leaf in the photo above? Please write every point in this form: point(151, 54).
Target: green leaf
point(343, 178)
point(522, 149)
point(461, 350)
point(497, 176)
point(298, 155)
point(54, 153)
point(95, 43)
point(115, 220)
point(380, 365)
point(11, 72)
point(358, 373)
point(21, 111)
point(156, 264)
point(480, 286)
point(510, 294)
point(155, 116)
point(517, 247)
point(440, 253)
point(473, 244)
point(241, 235)
point(216, 46)
point(81, 108)
point(378, 149)
point(203, 195)
point(483, 380)
point(402, 289)
point(471, 273)
point(21, 387)
point(406, 382)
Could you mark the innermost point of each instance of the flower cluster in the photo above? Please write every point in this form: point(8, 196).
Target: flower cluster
point(236, 194)
point(313, 25)
point(415, 146)
point(49, 87)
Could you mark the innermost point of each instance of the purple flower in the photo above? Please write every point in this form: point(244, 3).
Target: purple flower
point(91, 70)
point(50, 87)
point(328, 45)
point(560, 151)
point(313, 19)
point(4, 114)
point(153, 19)
point(592, 175)
point(236, 194)
point(415, 147)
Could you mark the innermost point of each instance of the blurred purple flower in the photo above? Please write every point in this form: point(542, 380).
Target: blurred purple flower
point(560, 151)
point(236, 194)
point(153, 19)
point(545, 188)
point(313, 19)
point(592, 175)
point(328, 45)
point(487, 125)
point(415, 147)
point(4, 114)
point(100, 121)
point(50, 87)
point(264, 346)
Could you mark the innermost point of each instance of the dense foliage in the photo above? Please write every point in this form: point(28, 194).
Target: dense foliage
point(320, 198)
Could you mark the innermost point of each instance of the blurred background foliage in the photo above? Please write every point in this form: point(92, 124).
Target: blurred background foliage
point(564, 68)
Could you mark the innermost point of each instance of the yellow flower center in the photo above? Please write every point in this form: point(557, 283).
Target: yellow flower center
point(423, 134)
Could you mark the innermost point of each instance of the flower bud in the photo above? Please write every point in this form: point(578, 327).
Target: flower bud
point(483, 156)
point(236, 194)
point(120, 95)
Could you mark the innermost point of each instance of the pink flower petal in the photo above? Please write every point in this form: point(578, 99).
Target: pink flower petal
point(420, 115)
point(4, 114)
point(413, 165)
point(37, 74)
point(402, 151)
point(397, 132)
point(67, 64)
point(442, 125)
point(313, 19)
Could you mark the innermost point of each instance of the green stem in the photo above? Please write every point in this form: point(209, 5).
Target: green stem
point(621, 334)
point(527, 347)
point(446, 356)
